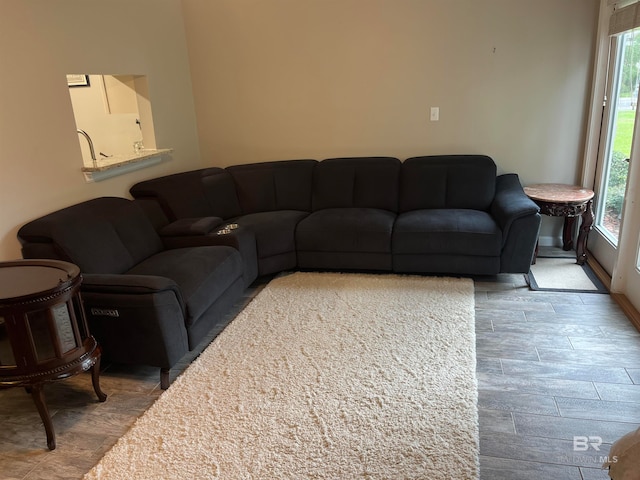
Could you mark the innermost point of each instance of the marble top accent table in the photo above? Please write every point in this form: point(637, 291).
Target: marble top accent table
point(570, 202)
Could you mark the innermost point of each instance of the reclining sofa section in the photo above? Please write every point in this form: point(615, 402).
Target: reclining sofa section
point(354, 207)
point(145, 304)
point(445, 214)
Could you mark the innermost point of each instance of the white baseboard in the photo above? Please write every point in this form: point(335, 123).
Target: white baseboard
point(550, 241)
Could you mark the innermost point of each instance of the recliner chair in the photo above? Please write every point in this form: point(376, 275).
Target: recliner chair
point(145, 304)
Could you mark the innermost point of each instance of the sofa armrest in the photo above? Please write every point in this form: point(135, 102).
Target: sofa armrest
point(190, 226)
point(510, 202)
point(519, 219)
point(137, 319)
point(129, 284)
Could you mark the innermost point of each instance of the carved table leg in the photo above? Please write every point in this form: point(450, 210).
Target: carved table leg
point(583, 236)
point(95, 379)
point(567, 233)
point(38, 398)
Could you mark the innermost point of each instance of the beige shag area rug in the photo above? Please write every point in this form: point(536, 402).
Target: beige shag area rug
point(322, 375)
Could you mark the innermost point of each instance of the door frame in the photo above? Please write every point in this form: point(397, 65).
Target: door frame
point(625, 274)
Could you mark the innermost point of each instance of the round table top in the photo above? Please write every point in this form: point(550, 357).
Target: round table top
point(558, 193)
point(22, 278)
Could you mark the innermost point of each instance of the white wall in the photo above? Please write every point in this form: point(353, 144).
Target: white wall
point(43, 40)
point(278, 79)
point(289, 78)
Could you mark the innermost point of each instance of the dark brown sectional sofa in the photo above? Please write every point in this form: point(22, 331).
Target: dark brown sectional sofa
point(161, 270)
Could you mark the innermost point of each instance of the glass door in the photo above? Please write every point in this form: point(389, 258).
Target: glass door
point(615, 240)
point(618, 126)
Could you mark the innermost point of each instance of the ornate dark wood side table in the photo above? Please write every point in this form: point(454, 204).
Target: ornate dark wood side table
point(43, 330)
point(570, 202)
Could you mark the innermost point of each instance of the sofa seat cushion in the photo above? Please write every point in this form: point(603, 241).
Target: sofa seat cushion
point(274, 231)
point(447, 231)
point(346, 230)
point(203, 274)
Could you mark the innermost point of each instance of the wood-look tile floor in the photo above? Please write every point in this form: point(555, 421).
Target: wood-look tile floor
point(551, 366)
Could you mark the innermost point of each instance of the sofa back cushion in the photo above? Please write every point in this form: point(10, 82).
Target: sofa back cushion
point(447, 181)
point(181, 195)
point(366, 182)
point(103, 235)
point(220, 193)
point(269, 186)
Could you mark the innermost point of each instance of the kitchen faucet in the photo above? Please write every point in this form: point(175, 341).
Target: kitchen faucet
point(91, 150)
